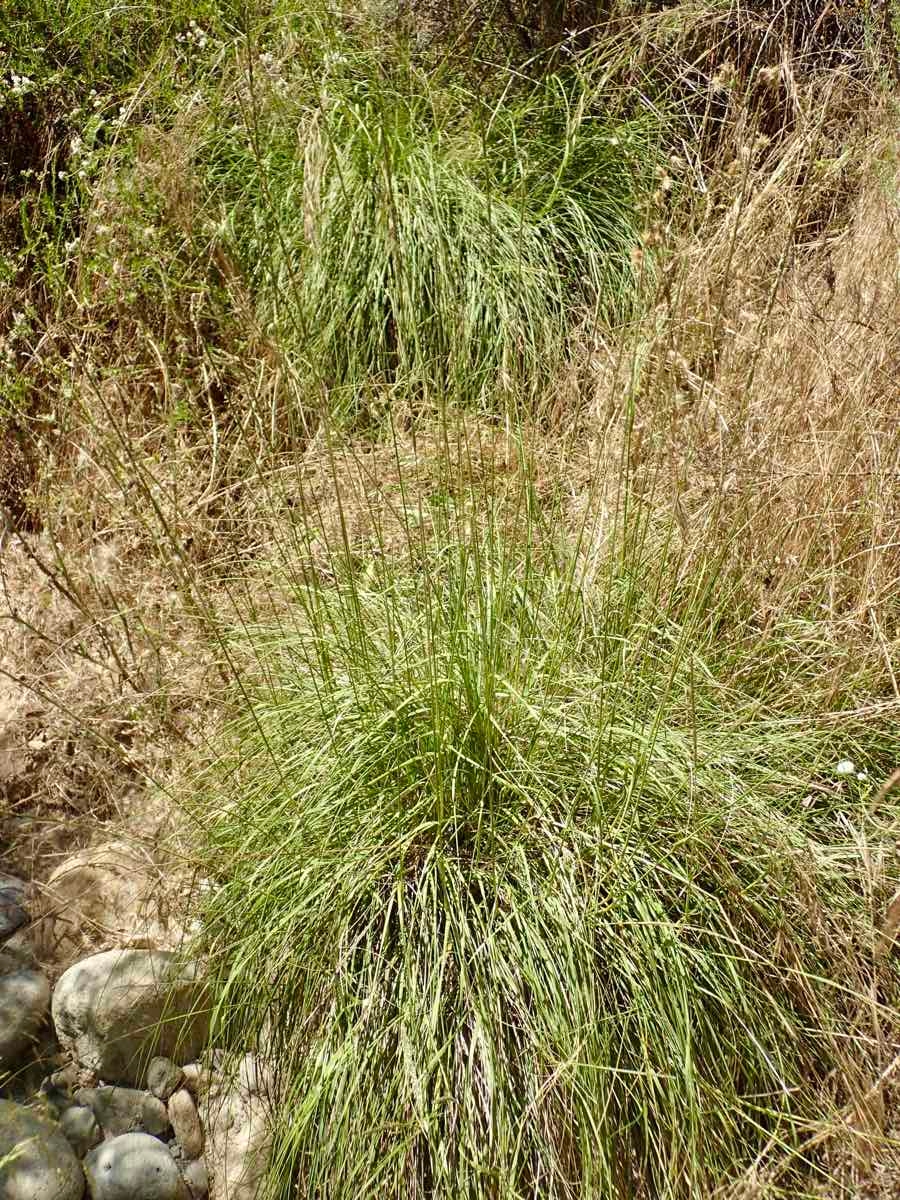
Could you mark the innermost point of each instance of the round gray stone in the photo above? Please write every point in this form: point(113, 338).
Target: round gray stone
point(24, 1001)
point(133, 1166)
point(163, 1077)
point(196, 1177)
point(36, 1161)
point(114, 1011)
point(121, 1110)
point(13, 914)
point(81, 1129)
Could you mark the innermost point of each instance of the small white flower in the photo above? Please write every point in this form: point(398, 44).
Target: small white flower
point(845, 767)
point(862, 776)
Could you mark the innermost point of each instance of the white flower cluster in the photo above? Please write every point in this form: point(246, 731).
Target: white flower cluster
point(79, 158)
point(846, 767)
point(18, 331)
point(85, 154)
point(273, 70)
point(14, 87)
point(193, 36)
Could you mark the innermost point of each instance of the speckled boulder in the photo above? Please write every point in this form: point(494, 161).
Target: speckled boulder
point(115, 1010)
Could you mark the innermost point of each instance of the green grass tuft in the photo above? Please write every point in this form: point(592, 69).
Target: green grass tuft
point(520, 894)
point(407, 231)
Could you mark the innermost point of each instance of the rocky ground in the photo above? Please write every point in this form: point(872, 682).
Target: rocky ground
point(102, 1091)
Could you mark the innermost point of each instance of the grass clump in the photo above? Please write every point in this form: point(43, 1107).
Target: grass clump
point(410, 231)
point(510, 911)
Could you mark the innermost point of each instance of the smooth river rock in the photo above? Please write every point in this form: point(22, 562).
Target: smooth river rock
point(13, 914)
point(196, 1177)
point(186, 1123)
point(24, 1002)
point(36, 1161)
point(134, 1166)
point(124, 1110)
point(81, 1129)
point(163, 1077)
point(106, 895)
point(114, 1011)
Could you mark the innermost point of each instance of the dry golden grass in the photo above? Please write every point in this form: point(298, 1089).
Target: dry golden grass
point(765, 385)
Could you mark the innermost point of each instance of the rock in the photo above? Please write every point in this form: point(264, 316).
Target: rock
point(134, 1166)
point(186, 1123)
point(114, 1011)
point(238, 1140)
point(105, 896)
point(14, 887)
point(81, 1129)
point(67, 1078)
point(24, 1001)
point(17, 955)
point(193, 1078)
point(155, 1117)
point(163, 1077)
point(253, 1075)
point(13, 913)
point(36, 1161)
point(121, 1110)
point(57, 1099)
point(196, 1177)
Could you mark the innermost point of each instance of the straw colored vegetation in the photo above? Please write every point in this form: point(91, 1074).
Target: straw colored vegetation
point(463, 448)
